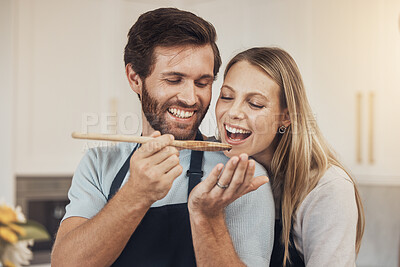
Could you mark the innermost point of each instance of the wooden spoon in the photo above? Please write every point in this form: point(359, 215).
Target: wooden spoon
point(193, 145)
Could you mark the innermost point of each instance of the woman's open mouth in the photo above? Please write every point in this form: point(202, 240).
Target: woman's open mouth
point(235, 134)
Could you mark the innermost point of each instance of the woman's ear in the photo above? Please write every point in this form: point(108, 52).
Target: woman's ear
point(286, 118)
point(134, 80)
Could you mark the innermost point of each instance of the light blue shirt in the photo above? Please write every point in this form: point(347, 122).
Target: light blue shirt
point(250, 219)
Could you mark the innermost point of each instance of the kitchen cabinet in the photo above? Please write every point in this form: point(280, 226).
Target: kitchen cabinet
point(355, 84)
point(377, 81)
point(55, 83)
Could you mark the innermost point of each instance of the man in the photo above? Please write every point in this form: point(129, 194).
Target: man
point(129, 204)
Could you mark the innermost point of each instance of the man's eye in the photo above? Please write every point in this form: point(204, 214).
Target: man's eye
point(173, 81)
point(256, 106)
point(201, 85)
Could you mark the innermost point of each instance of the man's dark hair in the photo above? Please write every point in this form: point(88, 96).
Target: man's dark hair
point(167, 27)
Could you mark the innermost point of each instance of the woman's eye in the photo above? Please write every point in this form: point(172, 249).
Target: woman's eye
point(256, 105)
point(226, 98)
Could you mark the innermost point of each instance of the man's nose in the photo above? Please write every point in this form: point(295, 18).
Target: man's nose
point(188, 94)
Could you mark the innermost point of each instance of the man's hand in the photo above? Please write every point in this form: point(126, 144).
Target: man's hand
point(153, 168)
point(208, 199)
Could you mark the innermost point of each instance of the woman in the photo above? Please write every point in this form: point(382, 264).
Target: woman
point(263, 111)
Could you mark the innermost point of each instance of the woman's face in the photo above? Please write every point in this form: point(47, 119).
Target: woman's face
point(249, 113)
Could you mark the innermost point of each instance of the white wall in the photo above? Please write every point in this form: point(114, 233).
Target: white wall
point(244, 24)
point(69, 67)
point(6, 103)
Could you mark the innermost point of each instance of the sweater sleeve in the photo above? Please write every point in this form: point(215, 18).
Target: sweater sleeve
point(326, 222)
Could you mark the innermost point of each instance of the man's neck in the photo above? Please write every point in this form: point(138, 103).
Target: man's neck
point(146, 127)
point(146, 131)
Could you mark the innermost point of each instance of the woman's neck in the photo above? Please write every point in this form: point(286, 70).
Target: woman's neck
point(265, 156)
point(264, 159)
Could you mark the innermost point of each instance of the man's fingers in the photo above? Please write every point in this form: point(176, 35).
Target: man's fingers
point(155, 134)
point(153, 146)
point(256, 182)
point(167, 164)
point(163, 154)
point(172, 174)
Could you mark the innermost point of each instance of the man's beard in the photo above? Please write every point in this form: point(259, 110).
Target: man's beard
point(155, 115)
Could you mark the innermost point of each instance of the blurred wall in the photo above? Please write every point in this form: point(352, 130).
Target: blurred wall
point(6, 103)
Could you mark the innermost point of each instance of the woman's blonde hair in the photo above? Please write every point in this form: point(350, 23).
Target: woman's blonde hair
point(302, 155)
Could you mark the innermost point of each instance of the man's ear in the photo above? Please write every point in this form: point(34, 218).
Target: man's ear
point(134, 80)
point(286, 118)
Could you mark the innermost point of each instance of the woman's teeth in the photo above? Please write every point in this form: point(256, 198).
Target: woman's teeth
point(236, 134)
point(236, 130)
point(180, 113)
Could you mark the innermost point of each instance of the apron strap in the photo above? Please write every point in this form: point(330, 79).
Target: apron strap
point(195, 172)
point(119, 178)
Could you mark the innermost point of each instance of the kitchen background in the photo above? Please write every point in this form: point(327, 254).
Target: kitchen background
point(61, 70)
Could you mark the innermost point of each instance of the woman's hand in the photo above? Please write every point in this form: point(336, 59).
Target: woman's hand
point(209, 198)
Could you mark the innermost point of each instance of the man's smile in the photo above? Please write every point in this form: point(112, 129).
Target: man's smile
point(181, 113)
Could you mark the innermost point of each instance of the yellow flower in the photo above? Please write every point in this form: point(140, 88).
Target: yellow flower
point(7, 214)
point(17, 229)
point(14, 226)
point(8, 264)
point(8, 235)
